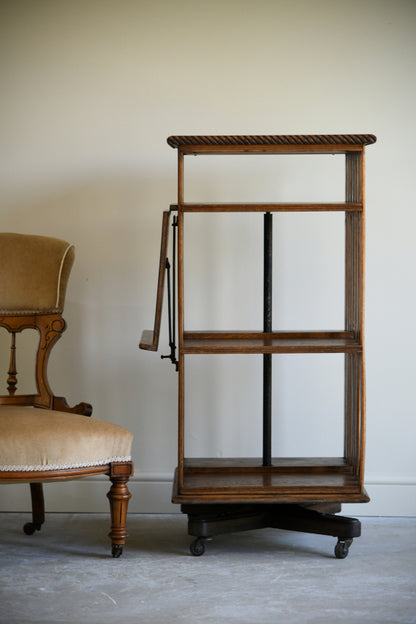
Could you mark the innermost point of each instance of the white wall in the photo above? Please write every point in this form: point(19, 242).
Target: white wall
point(89, 92)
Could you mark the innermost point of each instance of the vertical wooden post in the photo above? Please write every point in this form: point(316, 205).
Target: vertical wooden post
point(361, 373)
point(354, 313)
point(181, 359)
point(12, 378)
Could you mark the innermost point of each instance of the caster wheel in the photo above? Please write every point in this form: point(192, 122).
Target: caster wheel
point(116, 550)
point(342, 548)
point(197, 547)
point(29, 528)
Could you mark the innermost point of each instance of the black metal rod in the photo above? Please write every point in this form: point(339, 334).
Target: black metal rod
point(172, 299)
point(174, 228)
point(267, 327)
point(169, 301)
point(268, 268)
point(172, 347)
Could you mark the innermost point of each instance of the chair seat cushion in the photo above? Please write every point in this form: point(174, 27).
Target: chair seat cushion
point(33, 439)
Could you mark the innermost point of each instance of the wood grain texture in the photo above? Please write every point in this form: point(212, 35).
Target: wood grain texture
point(255, 487)
point(262, 140)
point(274, 342)
point(270, 207)
point(354, 436)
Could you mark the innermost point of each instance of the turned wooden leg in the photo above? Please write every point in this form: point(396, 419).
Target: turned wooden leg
point(119, 497)
point(38, 509)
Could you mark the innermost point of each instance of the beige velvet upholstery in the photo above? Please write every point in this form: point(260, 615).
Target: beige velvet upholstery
point(35, 440)
point(34, 272)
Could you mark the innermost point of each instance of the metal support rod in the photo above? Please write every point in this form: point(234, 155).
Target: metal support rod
point(267, 327)
point(174, 229)
point(172, 299)
point(167, 266)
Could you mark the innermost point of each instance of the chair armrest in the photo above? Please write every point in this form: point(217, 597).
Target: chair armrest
point(60, 404)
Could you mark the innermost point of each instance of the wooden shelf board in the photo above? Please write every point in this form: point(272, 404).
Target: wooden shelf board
point(278, 481)
point(217, 150)
point(245, 475)
point(257, 486)
point(298, 465)
point(270, 207)
point(272, 144)
point(275, 342)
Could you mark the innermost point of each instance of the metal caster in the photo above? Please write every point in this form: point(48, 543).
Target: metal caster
point(342, 547)
point(116, 550)
point(197, 547)
point(29, 528)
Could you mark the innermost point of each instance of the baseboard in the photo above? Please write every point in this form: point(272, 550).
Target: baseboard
point(151, 493)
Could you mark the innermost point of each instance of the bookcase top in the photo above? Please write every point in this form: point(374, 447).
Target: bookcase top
point(338, 141)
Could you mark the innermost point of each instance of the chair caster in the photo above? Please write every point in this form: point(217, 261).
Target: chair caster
point(30, 527)
point(342, 547)
point(197, 547)
point(117, 550)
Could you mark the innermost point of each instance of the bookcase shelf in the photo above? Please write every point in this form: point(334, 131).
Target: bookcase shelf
point(271, 207)
point(226, 484)
point(273, 342)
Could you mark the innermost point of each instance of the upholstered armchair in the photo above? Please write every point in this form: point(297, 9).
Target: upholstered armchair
point(41, 438)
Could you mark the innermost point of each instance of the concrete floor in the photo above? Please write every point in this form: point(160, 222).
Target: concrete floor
point(64, 574)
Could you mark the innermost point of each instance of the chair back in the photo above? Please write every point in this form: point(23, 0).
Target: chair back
point(34, 272)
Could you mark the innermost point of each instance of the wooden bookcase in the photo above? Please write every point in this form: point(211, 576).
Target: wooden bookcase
point(222, 495)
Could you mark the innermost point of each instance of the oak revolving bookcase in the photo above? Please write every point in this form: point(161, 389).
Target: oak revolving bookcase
point(222, 495)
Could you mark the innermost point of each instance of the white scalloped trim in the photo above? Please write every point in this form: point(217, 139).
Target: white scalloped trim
point(89, 464)
point(28, 312)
